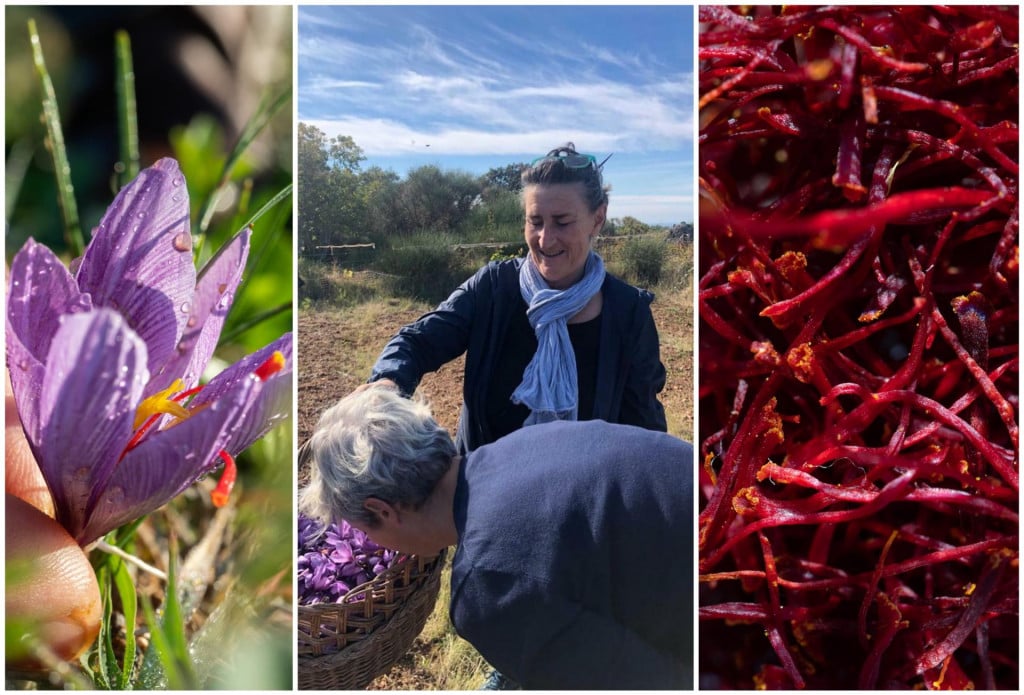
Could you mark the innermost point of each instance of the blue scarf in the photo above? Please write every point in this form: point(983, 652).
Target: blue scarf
point(549, 387)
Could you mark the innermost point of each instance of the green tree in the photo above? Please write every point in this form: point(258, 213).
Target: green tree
point(434, 200)
point(502, 179)
point(329, 205)
point(630, 226)
point(378, 194)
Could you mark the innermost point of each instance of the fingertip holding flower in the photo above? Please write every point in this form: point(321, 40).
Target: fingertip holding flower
point(105, 363)
point(52, 598)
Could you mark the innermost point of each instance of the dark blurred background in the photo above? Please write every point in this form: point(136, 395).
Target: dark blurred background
point(203, 68)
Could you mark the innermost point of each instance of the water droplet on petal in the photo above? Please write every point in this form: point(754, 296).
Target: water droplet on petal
point(222, 287)
point(115, 495)
point(183, 242)
point(176, 181)
point(192, 321)
point(185, 307)
point(23, 365)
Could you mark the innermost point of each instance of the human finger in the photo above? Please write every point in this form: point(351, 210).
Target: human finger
point(52, 597)
point(22, 477)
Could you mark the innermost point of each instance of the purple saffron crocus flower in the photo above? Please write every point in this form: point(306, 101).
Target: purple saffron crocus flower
point(105, 363)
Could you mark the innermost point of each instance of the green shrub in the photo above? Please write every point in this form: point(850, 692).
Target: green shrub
point(643, 260)
point(425, 267)
point(509, 251)
point(315, 282)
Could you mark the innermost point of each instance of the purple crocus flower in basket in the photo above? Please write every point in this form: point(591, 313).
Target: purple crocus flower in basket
point(335, 559)
point(105, 362)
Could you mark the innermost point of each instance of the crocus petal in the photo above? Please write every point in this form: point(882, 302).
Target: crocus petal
point(140, 259)
point(95, 373)
point(215, 289)
point(41, 291)
point(26, 374)
point(271, 406)
point(244, 368)
point(168, 462)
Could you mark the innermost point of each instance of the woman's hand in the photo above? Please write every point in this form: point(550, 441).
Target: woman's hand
point(380, 383)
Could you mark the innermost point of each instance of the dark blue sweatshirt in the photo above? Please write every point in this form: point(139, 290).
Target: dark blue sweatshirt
point(475, 320)
point(574, 567)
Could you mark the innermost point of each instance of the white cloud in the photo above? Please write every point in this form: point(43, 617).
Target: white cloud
point(398, 86)
point(388, 137)
point(666, 209)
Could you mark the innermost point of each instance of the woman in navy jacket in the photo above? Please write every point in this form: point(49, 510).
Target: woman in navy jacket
point(559, 339)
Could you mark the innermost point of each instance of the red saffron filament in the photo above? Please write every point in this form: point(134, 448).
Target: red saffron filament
point(219, 496)
point(271, 366)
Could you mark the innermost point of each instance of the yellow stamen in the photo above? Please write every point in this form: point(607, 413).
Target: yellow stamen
point(161, 402)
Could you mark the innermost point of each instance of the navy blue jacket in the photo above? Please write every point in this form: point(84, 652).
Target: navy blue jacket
point(474, 319)
point(574, 565)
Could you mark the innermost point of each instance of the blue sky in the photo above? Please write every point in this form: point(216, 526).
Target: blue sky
point(475, 87)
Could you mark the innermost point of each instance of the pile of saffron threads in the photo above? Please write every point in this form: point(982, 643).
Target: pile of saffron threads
point(858, 329)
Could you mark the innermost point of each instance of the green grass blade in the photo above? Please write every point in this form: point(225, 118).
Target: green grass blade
point(281, 195)
point(158, 667)
point(127, 116)
point(254, 260)
point(167, 662)
point(18, 159)
point(255, 321)
point(277, 228)
point(264, 114)
point(174, 622)
point(55, 135)
point(129, 606)
point(106, 672)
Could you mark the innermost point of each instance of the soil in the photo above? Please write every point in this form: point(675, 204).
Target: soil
point(336, 351)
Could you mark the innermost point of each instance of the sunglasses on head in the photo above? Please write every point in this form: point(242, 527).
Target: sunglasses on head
point(572, 160)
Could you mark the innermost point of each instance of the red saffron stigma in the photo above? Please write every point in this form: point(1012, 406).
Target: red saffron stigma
point(219, 496)
point(273, 365)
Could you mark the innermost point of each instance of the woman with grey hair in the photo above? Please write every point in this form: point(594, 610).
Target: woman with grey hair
point(552, 336)
point(374, 446)
point(553, 527)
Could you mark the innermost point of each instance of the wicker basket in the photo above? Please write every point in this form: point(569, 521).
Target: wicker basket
point(344, 646)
